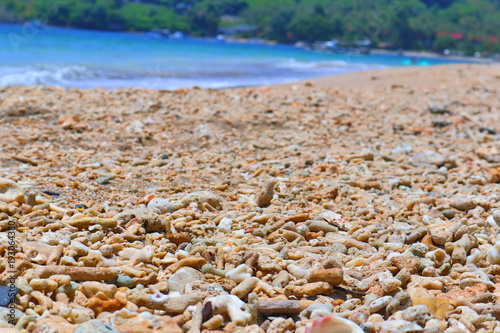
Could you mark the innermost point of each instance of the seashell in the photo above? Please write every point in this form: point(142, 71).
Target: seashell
point(11, 191)
point(333, 324)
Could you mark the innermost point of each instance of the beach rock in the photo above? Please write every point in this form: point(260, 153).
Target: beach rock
point(10, 191)
point(265, 196)
point(463, 204)
point(161, 206)
point(7, 294)
point(429, 157)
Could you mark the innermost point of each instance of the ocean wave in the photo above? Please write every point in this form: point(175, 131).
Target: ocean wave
point(46, 75)
point(298, 64)
point(248, 74)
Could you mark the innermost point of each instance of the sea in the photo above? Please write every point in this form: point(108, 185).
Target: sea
point(31, 54)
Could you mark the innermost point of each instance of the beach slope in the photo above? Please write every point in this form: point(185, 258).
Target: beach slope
point(374, 196)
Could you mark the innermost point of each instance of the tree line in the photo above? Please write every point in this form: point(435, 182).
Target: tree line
point(467, 25)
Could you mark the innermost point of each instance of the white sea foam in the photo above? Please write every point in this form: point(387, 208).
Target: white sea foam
point(31, 75)
point(80, 76)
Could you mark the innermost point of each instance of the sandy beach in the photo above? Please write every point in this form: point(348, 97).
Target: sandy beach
point(372, 196)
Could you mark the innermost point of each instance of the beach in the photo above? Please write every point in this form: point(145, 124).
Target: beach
point(371, 196)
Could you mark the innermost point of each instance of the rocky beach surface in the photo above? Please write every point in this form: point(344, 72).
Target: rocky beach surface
point(367, 202)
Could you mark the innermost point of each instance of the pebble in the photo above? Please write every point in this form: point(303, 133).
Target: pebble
point(161, 206)
point(448, 213)
point(438, 109)
point(463, 204)
point(266, 194)
point(379, 304)
point(104, 180)
point(124, 281)
point(7, 294)
point(428, 157)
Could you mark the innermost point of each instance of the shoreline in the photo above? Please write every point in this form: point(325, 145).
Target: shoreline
point(408, 76)
point(434, 55)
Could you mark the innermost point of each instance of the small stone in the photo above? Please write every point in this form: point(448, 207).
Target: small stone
point(266, 194)
point(463, 204)
point(104, 180)
point(440, 123)
point(81, 207)
point(124, 281)
point(182, 277)
point(161, 206)
point(31, 199)
point(428, 157)
point(179, 238)
point(10, 191)
point(391, 326)
point(379, 304)
point(7, 294)
point(438, 109)
point(410, 263)
point(332, 275)
point(448, 213)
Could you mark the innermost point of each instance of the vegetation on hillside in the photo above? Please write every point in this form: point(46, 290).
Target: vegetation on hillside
point(468, 25)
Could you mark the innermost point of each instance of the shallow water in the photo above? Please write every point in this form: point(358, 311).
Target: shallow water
point(78, 58)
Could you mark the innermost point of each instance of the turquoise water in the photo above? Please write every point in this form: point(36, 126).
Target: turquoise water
point(79, 58)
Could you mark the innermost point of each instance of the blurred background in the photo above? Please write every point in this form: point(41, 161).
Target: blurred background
point(166, 44)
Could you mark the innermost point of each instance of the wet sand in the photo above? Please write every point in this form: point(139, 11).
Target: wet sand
point(371, 196)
